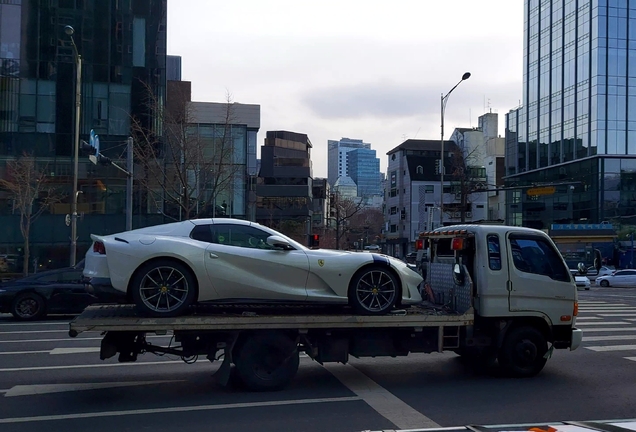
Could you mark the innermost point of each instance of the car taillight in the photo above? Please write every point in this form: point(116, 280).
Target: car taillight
point(419, 244)
point(98, 247)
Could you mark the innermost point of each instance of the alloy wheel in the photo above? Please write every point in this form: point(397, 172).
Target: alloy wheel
point(376, 291)
point(164, 289)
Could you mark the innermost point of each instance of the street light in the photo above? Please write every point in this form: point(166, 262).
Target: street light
point(443, 101)
point(78, 102)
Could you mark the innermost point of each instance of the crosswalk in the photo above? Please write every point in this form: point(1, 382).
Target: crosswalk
point(608, 327)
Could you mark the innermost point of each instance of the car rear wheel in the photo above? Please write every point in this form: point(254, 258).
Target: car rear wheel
point(28, 307)
point(604, 283)
point(374, 291)
point(163, 288)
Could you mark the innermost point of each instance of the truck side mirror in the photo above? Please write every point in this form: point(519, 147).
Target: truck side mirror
point(598, 260)
point(458, 274)
point(582, 269)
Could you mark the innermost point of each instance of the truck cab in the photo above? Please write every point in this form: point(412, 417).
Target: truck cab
point(518, 280)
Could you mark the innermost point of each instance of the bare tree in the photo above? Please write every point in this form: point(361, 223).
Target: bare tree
point(32, 194)
point(342, 209)
point(467, 178)
point(186, 172)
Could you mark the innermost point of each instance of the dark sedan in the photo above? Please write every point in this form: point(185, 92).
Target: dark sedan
point(59, 291)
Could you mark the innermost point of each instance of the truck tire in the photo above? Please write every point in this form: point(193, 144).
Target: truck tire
point(523, 352)
point(267, 361)
point(163, 288)
point(374, 291)
point(28, 307)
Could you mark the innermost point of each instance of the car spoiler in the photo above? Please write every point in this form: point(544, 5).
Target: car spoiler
point(95, 237)
point(624, 425)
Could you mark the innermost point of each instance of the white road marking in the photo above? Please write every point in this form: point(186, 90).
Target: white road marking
point(608, 338)
point(633, 314)
point(176, 409)
point(32, 331)
point(605, 329)
point(612, 348)
point(24, 352)
point(49, 323)
point(588, 318)
point(38, 389)
point(595, 311)
point(606, 307)
point(74, 350)
point(377, 397)
point(68, 339)
point(605, 323)
point(630, 358)
point(85, 366)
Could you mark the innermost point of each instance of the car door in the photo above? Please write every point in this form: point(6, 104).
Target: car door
point(536, 273)
point(241, 265)
point(68, 292)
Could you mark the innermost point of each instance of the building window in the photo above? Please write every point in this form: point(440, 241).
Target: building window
point(419, 169)
point(429, 189)
point(480, 206)
point(393, 228)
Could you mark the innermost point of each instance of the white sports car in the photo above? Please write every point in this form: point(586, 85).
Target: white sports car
point(166, 268)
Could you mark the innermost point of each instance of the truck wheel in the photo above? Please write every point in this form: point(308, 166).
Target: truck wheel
point(523, 352)
point(28, 307)
point(374, 291)
point(267, 362)
point(163, 288)
point(604, 283)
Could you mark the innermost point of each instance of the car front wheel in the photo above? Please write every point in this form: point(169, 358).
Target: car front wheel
point(374, 291)
point(28, 307)
point(163, 288)
point(604, 283)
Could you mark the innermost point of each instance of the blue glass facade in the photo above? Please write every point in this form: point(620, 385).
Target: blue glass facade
point(364, 168)
point(123, 47)
point(579, 96)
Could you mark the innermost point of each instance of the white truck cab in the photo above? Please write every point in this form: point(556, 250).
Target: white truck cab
point(520, 285)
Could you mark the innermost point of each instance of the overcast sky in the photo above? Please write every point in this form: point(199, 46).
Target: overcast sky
point(368, 69)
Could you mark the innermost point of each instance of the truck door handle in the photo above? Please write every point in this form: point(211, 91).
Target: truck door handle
point(509, 285)
point(213, 255)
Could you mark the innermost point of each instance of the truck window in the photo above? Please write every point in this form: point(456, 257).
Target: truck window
point(536, 255)
point(494, 252)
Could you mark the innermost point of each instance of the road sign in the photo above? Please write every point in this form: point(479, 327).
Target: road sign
point(94, 142)
point(545, 190)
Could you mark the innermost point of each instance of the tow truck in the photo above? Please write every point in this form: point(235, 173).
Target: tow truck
point(493, 294)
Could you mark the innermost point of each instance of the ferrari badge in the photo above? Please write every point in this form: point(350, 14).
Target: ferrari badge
point(321, 263)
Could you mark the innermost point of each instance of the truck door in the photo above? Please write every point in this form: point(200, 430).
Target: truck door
point(538, 279)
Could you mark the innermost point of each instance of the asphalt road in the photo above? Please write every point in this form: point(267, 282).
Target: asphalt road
point(51, 382)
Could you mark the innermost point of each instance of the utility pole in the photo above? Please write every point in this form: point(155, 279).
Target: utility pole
point(129, 183)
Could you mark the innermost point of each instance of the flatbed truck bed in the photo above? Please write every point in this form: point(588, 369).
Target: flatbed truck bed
point(261, 343)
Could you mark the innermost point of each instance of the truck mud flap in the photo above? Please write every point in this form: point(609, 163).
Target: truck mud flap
point(224, 372)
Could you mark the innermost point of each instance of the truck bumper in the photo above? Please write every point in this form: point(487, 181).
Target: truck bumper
point(577, 338)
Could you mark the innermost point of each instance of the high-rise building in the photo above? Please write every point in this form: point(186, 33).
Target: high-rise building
point(363, 167)
point(577, 124)
point(173, 68)
point(123, 49)
point(284, 189)
point(337, 157)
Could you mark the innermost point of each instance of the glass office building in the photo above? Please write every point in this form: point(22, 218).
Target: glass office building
point(577, 124)
point(363, 168)
point(123, 47)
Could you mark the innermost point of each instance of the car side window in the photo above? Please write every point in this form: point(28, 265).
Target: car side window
point(202, 233)
point(536, 255)
point(494, 252)
point(241, 236)
point(71, 276)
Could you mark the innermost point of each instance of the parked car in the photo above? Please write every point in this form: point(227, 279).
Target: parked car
point(411, 257)
point(620, 278)
point(53, 291)
point(582, 282)
point(372, 247)
point(167, 268)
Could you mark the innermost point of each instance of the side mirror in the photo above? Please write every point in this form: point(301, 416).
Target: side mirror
point(278, 242)
point(458, 274)
point(598, 260)
point(582, 269)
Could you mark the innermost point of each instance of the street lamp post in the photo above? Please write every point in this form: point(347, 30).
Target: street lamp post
point(443, 101)
point(78, 103)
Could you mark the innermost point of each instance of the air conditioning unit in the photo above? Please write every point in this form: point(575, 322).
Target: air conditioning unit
point(457, 215)
point(469, 215)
